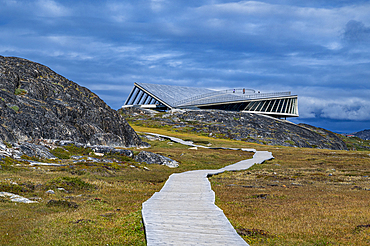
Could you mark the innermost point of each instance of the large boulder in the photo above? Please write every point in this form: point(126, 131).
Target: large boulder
point(111, 150)
point(37, 103)
point(153, 158)
point(30, 149)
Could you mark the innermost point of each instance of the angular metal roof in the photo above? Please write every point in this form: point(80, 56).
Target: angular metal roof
point(172, 94)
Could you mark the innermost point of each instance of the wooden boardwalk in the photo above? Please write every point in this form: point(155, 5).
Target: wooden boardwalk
point(184, 211)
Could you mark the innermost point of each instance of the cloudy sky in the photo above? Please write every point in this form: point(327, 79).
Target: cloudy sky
point(317, 49)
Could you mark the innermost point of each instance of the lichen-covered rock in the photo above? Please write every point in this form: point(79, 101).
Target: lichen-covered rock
point(125, 152)
point(6, 151)
point(30, 149)
point(107, 149)
point(37, 103)
point(152, 158)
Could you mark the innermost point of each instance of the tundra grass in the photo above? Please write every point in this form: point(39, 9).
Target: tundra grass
point(302, 197)
point(96, 203)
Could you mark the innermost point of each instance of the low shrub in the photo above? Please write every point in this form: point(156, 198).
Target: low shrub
point(19, 91)
point(69, 183)
point(60, 153)
point(15, 108)
point(74, 150)
point(61, 203)
point(15, 188)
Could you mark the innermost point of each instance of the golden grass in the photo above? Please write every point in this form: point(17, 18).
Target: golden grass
point(109, 214)
point(302, 197)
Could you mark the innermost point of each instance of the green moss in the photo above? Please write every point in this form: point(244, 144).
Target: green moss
point(61, 153)
point(119, 157)
point(8, 145)
point(8, 161)
point(290, 142)
point(57, 84)
point(31, 158)
point(19, 91)
point(15, 108)
point(74, 150)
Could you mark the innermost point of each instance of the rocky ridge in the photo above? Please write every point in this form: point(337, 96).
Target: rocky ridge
point(37, 103)
point(239, 126)
point(365, 134)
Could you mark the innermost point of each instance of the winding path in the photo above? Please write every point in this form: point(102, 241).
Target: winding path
point(184, 211)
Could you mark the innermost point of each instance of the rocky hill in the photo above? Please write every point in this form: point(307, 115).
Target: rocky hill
point(239, 126)
point(37, 103)
point(365, 134)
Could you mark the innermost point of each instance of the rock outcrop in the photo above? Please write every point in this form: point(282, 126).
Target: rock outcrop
point(37, 103)
point(153, 158)
point(240, 126)
point(106, 150)
point(30, 149)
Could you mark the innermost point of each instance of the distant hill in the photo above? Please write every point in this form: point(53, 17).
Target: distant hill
point(365, 134)
point(37, 103)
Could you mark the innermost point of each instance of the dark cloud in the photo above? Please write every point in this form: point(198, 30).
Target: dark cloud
point(356, 32)
point(313, 48)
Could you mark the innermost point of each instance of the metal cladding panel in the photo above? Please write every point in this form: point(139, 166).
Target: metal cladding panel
point(225, 96)
point(171, 94)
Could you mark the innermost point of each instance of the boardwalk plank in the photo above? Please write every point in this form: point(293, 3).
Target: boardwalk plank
point(184, 213)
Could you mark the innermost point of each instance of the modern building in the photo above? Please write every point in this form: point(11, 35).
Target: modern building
point(167, 97)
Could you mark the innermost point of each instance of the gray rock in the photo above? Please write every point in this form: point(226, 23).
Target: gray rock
point(2, 146)
point(38, 103)
point(37, 163)
point(153, 138)
point(152, 158)
point(16, 198)
point(107, 149)
point(68, 142)
point(125, 152)
point(102, 149)
point(9, 152)
point(30, 149)
point(50, 192)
